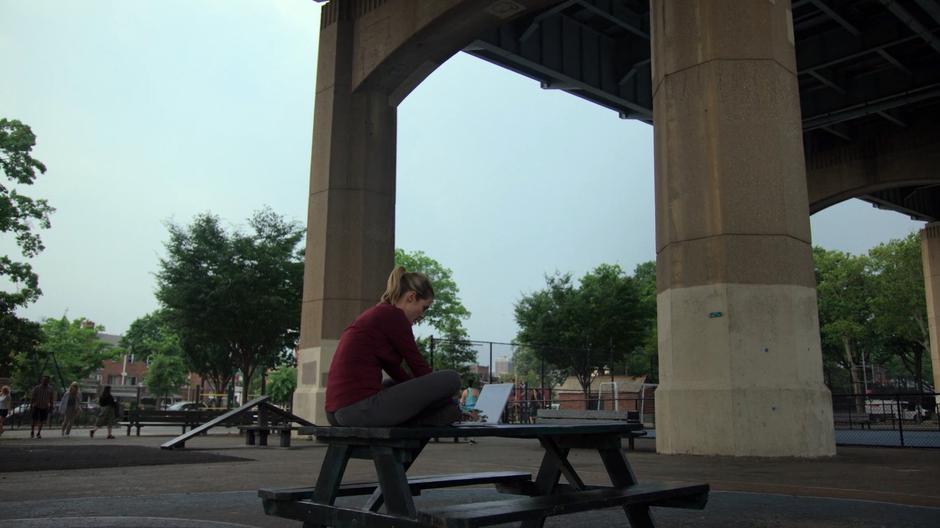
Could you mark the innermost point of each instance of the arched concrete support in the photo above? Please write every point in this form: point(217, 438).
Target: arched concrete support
point(740, 360)
point(372, 54)
point(351, 212)
point(895, 157)
point(930, 245)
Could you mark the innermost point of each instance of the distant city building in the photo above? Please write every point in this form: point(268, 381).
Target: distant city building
point(502, 366)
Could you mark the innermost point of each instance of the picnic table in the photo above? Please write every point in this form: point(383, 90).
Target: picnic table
point(394, 449)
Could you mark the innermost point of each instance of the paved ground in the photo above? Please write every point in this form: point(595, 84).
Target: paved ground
point(861, 487)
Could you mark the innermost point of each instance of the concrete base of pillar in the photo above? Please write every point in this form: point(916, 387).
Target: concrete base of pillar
point(744, 422)
point(741, 373)
point(312, 367)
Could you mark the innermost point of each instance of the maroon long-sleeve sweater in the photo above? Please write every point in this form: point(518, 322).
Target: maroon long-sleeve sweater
point(377, 340)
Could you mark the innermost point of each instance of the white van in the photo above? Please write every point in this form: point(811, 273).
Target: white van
point(884, 409)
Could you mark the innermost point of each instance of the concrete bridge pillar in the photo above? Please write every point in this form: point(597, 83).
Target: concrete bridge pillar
point(930, 245)
point(740, 361)
point(351, 213)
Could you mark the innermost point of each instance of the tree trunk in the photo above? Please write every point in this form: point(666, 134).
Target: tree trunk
point(857, 391)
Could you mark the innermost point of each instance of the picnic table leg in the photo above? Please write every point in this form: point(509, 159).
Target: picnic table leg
point(392, 481)
point(547, 478)
point(249, 437)
point(331, 474)
point(375, 501)
point(622, 476)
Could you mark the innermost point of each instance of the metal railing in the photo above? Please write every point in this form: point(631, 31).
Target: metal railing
point(897, 420)
point(886, 420)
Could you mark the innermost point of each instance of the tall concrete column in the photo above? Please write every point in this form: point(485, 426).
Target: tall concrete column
point(740, 360)
point(351, 214)
point(930, 246)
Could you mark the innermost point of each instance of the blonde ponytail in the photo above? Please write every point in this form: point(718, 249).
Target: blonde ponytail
point(400, 282)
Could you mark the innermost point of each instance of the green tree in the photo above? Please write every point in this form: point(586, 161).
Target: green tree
point(446, 315)
point(165, 375)
point(233, 298)
point(282, 382)
point(844, 289)
point(530, 367)
point(899, 307)
point(70, 351)
point(586, 327)
point(150, 335)
point(454, 351)
point(19, 215)
point(645, 358)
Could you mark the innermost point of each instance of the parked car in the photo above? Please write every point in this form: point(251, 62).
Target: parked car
point(20, 410)
point(187, 406)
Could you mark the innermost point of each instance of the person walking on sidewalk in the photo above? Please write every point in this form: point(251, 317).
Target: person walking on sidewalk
point(69, 407)
point(42, 401)
point(108, 412)
point(6, 403)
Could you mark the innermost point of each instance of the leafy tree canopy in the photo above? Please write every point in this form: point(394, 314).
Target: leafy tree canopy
point(873, 306)
point(233, 298)
point(583, 327)
point(19, 215)
point(151, 335)
point(899, 306)
point(447, 311)
point(530, 367)
point(282, 382)
point(70, 351)
point(165, 374)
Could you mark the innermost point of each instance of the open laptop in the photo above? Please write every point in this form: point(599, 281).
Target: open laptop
point(491, 402)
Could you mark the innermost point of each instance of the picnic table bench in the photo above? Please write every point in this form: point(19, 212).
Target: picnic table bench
point(394, 449)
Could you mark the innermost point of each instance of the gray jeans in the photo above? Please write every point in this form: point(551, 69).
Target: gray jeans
point(427, 400)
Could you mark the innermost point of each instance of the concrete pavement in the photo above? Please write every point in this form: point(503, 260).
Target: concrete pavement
point(860, 486)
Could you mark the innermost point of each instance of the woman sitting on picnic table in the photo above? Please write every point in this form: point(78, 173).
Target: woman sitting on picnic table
point(378, 340)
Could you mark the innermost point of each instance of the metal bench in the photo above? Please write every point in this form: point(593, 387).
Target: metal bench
point(260, 433)
point(138, 418)
point(852, 419)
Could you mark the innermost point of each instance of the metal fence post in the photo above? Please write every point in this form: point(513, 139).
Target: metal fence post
point(490, 372)
point(897, 399)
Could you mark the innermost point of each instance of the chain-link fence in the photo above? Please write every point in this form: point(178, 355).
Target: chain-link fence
point(898, 420)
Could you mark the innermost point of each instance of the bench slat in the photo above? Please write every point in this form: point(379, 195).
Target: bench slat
point(501, 511)
point(415, 483)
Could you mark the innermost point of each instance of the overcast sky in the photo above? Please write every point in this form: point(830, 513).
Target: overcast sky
point(149, 111)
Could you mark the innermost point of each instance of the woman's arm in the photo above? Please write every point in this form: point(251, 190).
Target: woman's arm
point(403, 340)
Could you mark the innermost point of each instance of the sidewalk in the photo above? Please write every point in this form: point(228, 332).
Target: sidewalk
point(860, 487)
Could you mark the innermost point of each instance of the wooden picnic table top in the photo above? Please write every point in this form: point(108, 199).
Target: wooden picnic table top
point(597, 427)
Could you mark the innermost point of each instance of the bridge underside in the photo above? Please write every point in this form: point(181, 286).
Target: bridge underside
point(763, 113)
point(868, 71)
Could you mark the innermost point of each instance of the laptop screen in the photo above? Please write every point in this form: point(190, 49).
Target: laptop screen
point(492, 401)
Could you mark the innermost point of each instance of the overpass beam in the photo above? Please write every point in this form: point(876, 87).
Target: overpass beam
point(351, 207)
point(930, 246)
point(740, 359)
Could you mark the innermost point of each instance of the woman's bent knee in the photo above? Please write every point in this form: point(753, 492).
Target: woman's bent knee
point(449, 379)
